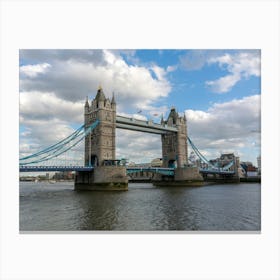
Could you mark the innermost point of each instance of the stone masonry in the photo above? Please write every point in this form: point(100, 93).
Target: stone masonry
point(100, 144)
point(174, 145)
point(100, 148)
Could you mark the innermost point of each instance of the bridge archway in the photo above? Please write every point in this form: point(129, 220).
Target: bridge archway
point(94, 160)
point(172, 163)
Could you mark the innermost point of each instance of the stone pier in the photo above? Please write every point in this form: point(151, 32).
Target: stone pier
point(183, 177)
point(105, 178)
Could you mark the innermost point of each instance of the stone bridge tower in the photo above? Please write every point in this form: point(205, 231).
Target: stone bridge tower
point(174, 145)
point(100, 144)
point(100, 148)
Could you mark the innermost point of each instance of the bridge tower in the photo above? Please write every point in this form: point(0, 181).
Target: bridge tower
point(175, 153)
point(174, 145)
point(100, 148)
point(100, 144)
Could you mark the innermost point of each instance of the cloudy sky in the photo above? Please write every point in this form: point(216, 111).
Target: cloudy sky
point(218, 90)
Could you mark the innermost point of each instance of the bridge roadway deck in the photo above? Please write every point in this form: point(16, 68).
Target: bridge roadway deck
point(143, 126)
point(54, 168)
point(161, 170)
point(90, 168)
point(216, 171)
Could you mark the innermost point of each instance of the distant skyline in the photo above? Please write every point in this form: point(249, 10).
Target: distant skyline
point(218, 90)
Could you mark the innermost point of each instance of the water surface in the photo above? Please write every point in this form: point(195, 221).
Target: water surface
point(144, 207)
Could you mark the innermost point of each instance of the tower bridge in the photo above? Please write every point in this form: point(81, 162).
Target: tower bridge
point(102, 171)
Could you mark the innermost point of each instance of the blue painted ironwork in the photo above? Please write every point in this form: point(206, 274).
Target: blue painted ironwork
point(159, 170)
point(60, 147)
point(215, 171)
point(211, 167)
point(198, 153)
point(56, 146)
point(41, 168)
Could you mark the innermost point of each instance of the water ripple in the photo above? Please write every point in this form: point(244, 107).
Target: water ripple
point(143, 208)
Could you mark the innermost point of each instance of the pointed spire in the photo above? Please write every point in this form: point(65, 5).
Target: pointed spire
point(100, 96)
point(113, 99)
point(173, 115)
point(162, 120)
point(86, 104)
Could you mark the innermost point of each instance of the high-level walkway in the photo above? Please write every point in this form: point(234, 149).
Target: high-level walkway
point(143, 126)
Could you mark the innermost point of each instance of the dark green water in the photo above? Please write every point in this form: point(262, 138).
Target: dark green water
point(57, 207)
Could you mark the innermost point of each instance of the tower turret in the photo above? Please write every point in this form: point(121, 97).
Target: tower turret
point(113, 99)
point(173, 117)
point(174, 145)
point(162, 120)
point(113, 102)
point(100, 145)
point(100, 96)
point(86, 111)
point(86, 103)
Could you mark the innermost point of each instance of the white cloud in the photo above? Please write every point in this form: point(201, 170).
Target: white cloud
point(159, 72)
point(223, 84)
point(194, 59)
point(135, 116)
point(246, 63)
point(228, 127)
point(171, 68)
point(136, 146)
point(47, 106)
point(239, 65)
point(46, 119)
point(34, 70)
point(73, 77)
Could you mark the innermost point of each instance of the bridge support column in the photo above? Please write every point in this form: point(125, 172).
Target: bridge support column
point(188, 176)
point(102, 178)
point(184, 176)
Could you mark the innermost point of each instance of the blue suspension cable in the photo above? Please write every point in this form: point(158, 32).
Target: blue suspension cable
point(198, 153)
point(62, 145)
point(52, 147)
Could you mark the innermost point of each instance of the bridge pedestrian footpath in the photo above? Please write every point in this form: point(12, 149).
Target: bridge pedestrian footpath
point(130, 170)
point(42, 168)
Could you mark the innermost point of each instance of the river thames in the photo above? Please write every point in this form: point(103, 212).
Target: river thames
point(144, 207)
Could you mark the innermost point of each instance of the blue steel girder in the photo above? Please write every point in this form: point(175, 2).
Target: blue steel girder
point(216, 171)
point(27, 168)
point(159, 170)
